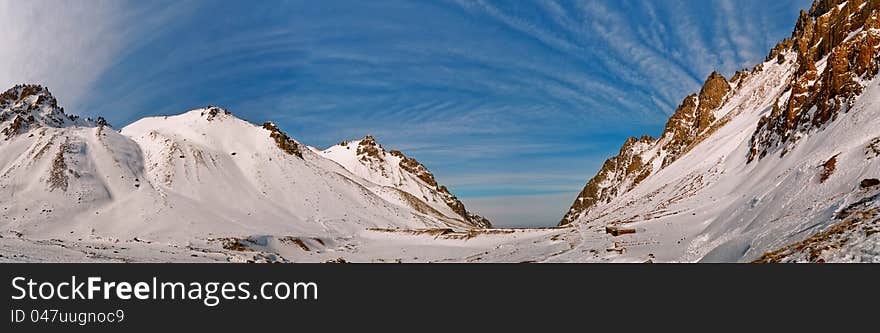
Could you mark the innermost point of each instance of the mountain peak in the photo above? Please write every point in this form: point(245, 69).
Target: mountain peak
point(394, 169)
point(26, 97)
point(846, 35)
point(370, 148)
point(27, 106)
point(714, 76)
point(22, 91)
point(212, 112)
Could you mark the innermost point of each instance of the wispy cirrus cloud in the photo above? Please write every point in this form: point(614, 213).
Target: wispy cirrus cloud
point(68, 45)
point(62, 45)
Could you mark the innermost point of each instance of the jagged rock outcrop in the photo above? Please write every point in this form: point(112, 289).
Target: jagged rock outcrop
point(843, 38)
point(414, 167)
point(373, 162)
point(640, 157)
point(284, 142)
point(626, 167)
point(836, 45)
point(212, 112)
point(369, 147)
point(28, 106)
point(694, 116)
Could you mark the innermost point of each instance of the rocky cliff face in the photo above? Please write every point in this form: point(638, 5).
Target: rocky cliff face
point(25, 107)
point(368, 159)
point(370, 149)
point(836, 45)
point(625, 168)
point(640, 157)
point(842, 37)
point(693, 117)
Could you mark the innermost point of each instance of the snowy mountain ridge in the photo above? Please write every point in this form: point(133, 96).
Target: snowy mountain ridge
point(778, 167)
point(641, 157)
point(203, 173)
point(31, 106)
point(369, 160)
point(205, 185)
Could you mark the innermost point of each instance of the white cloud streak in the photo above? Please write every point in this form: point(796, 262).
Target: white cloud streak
point(68, 45)
point(63, 45)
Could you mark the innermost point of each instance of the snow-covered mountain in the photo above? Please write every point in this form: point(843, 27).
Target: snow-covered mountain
point(778, 163)
point(402, 179)
point(203, 174)
point(57, 171)
point(694, 119)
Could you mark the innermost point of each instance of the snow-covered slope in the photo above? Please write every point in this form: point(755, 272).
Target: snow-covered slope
point(784, 173)
point(696, 118)
point(254, 179)
point(203, 174)
point(205, 185)
point(394, 172)
point(60, 175)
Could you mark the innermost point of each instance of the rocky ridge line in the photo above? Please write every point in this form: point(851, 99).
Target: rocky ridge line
point(685, 128)
point(368, 149)
point(846, 33)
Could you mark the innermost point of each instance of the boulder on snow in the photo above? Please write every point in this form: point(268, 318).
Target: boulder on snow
point(869, 182)
point(615, 231)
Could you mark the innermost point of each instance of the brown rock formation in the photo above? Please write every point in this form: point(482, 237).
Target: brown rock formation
point(58, 174)
point(284, 142)
point(24, 107)
point(414, 167)
point(369, 151)
point(617, 170)
point(846, 33)
point(694, 116)
point(368, 148)
point(621, 173)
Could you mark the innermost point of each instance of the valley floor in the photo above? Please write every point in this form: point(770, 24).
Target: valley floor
point(369, 246)
point(853, 240)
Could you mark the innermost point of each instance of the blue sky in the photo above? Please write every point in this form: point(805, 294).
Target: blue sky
point(513, 104)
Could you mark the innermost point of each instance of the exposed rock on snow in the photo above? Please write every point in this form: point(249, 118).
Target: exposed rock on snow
point(813, 103)
point(836, 48)
point(25, 107)
point(204, 174)
point(283, 142)
point(420, 190)
point(639, 158)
